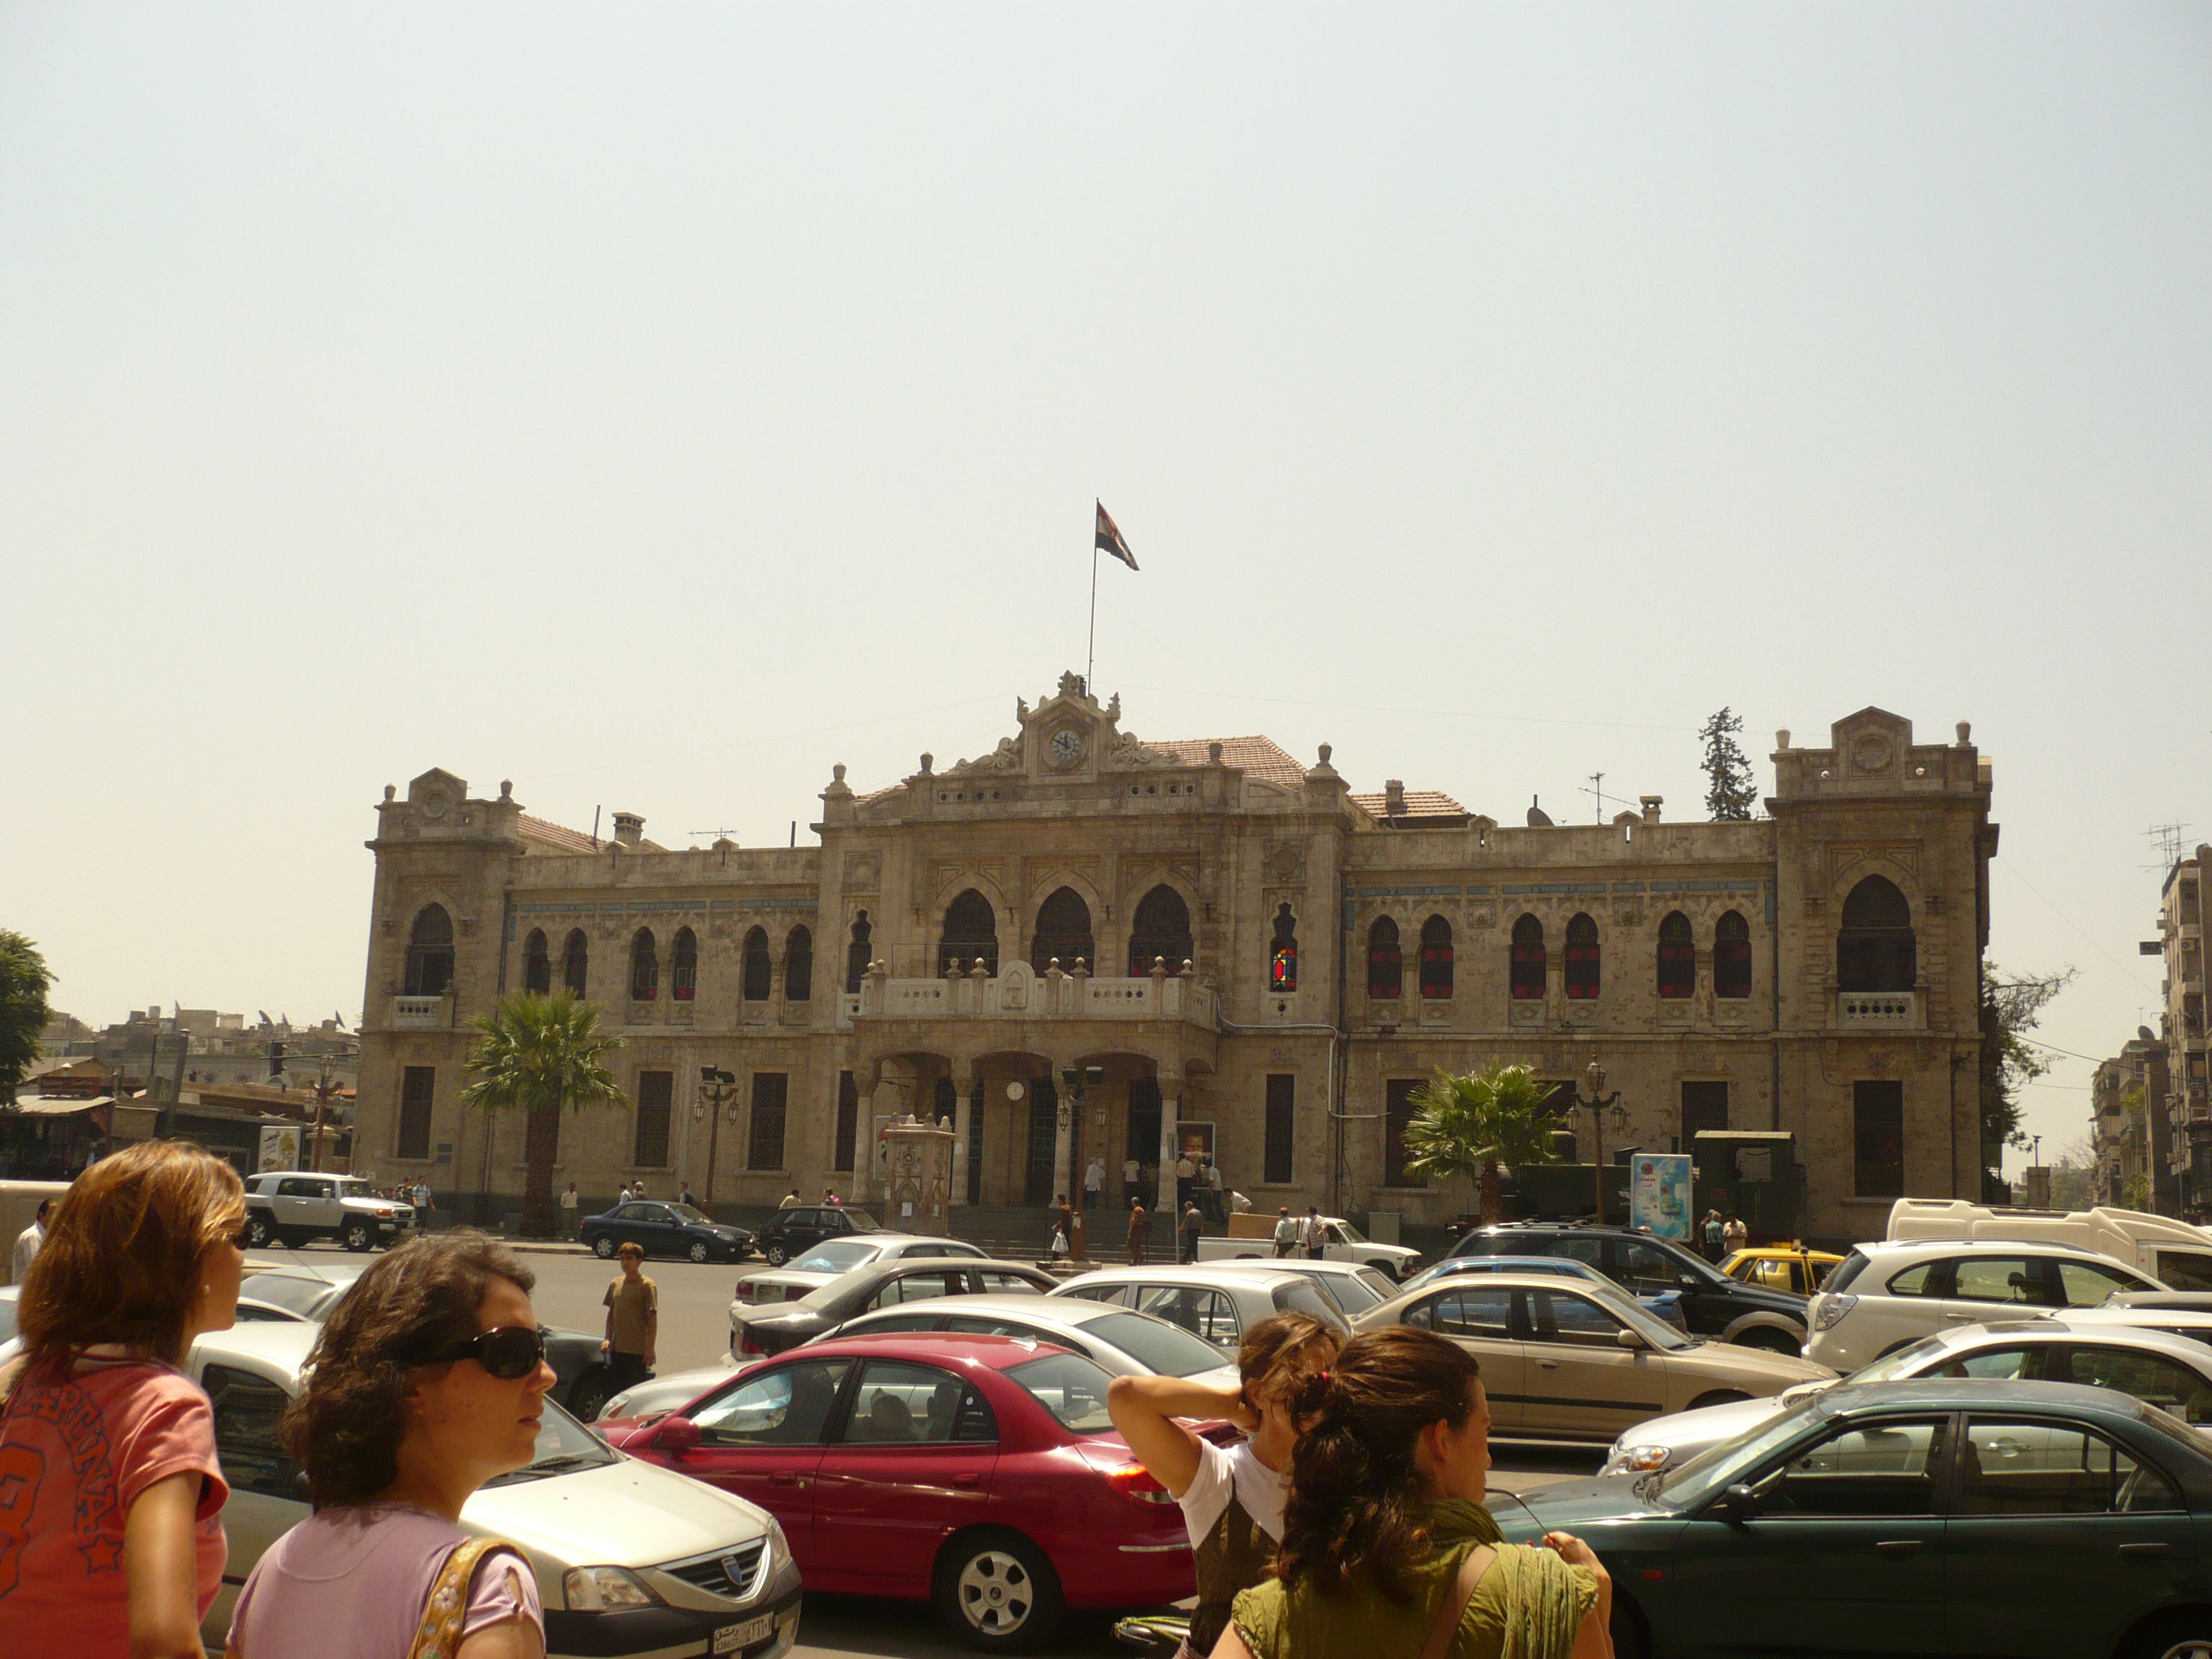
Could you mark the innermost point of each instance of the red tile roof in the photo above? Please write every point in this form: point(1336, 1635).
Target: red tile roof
point(1260, 757)
point(1420, 803)
point(559, 838)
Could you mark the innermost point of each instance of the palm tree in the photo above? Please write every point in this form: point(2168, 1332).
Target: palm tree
point(540, 1054)
point(1468, 1125)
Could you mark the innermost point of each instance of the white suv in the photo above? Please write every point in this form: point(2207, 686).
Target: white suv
point(1881, 1297)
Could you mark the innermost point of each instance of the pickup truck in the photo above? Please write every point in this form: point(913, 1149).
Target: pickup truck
point(290, 1206)
point(1252, 1236)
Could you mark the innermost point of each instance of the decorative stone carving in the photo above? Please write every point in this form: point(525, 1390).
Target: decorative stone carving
point(863, 871)
point(1015, 980)
point(1126, 752)
point(1007, 757)
point(1286, 861)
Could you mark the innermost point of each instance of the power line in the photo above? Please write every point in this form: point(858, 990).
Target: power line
point(2070, 922)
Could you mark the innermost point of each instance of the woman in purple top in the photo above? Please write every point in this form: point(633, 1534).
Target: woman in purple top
point(429, 1379)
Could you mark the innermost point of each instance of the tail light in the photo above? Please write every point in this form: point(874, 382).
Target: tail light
point(744, 1292)
point(1831, 1310)
point(750, 1344)
point(794, 1292)
point(1135, 1482)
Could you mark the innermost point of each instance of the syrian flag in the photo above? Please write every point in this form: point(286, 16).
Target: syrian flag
point(1109, 538)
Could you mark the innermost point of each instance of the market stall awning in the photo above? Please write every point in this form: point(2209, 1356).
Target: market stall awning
point(55, 1105)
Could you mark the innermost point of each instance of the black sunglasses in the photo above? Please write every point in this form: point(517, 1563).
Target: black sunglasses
point(509, 1354)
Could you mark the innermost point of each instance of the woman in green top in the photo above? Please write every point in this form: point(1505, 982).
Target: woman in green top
point(1386, 1549)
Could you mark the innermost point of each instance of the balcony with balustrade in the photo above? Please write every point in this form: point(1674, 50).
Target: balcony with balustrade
point(1017, 993)
point(1883, 1011)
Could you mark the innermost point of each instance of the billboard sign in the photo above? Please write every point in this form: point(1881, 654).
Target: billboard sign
point(1659, 1195)
point(280, 1149)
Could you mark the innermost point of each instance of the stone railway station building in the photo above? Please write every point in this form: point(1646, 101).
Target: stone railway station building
point(1084, 943)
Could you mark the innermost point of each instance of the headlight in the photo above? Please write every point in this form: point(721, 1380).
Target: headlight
point(1637, 1460)
point(605, 1589)
point(779, 1547)
point(1832, 1310)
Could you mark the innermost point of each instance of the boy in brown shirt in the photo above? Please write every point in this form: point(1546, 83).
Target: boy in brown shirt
point(633, 1304)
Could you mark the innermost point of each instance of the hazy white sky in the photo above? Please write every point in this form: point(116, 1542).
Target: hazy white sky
point(654, 405)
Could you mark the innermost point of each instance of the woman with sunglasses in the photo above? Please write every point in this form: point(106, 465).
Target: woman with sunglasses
point(428, 1379)
point(111, 1499)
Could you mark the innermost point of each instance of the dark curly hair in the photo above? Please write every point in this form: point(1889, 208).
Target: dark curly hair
point(1353, 1475)
point(346, 1426)
point(1286, 1357)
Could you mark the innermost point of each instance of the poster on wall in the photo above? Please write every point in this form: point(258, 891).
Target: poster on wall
point(1659, 1195)
point(280, 1149)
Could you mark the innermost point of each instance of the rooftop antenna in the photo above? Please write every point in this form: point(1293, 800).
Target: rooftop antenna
point(595, 829)
point(2168, 839)
point(1597, 779)
point(719, 836)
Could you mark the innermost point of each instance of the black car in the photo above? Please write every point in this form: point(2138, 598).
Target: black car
point(798, 1229)
point(754, 1332)
point(1713, 1303)
point(663, 1229)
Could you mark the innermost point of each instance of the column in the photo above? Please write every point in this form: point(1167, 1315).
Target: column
point(964, 1104)
point(1063, 1139)
point(1170, 1114)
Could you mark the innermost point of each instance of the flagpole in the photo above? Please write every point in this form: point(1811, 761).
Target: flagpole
point(1090, 645)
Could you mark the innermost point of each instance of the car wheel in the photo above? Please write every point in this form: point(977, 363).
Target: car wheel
point(358, 1238)
point(587, 1395)
point(699, 1251)
point(603, 1247)
point(997, 1592)
point(1630, 1638)
point(776, 1255)
point(2177, 1636)
point(259, 1232)
point(1767, 1339)
point(1717, 1397)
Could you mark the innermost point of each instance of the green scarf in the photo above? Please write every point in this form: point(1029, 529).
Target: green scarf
point(1538, 1587)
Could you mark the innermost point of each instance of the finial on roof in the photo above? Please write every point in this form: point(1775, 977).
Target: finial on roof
point(837, 773)
point(928, 759)
point(1782, 738)
point(1213, 753)
point(391, 791)
point(507, 788)
point(1965, 732)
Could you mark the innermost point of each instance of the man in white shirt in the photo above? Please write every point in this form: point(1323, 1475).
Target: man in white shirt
point(1132, 1173)
point(1185, 1171)
point(423, 1211)
point(1210, 1177)
point(1313, 1233)
point(1094, 1182)
point(28, 1242)
point(569, 1204)
point(1286, 1231)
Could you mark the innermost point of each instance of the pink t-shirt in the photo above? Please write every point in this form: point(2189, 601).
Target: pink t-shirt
point(76, 1453)
point(350, 1582)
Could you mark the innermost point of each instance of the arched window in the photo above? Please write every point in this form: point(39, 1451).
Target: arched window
point(1678, 955)
point(971, 930)
point(1386, 963)
point(857, 955)
point(1875, 950)
point(575, 961)
point(1283, 955)
point(758, 975)
point(1162, 930)
point(1436, 959)
point(1582, 958)
point(644, 967)
point(1063, 932)
point(684, 971)
point(798, 965)
point(1527, 979)
point(1732, 956)
point(537, 965)
point(430, 953)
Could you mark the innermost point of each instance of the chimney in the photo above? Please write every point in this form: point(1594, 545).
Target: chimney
point(630, 829)
point(1394, 798)
point(1651, 807)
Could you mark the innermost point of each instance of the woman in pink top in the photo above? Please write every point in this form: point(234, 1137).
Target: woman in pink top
point(429, 1379)
point(111, 1499)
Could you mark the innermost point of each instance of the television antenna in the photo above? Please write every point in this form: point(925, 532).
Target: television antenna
point(1597, 781)
point(2168, 839)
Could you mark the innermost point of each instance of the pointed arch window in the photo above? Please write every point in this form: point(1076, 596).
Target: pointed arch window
point(857, 955)
point(971, 931)
point(1528, 962)
point(430, 953)
point(1436, 960)
point(757, 979)
point(1063, 932)
point(1874, 949)
point(684, 969)
point(1732, 956)
point(1582, 974)
point(1283, 954)
point(575, 961)
point(1386, 963)
point(799, 964)
point(1162, 931)
point(537, 965)
point(644, 967)
point(1677, 957)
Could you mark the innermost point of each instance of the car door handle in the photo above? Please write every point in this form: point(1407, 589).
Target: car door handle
point(1898, 1546)
point(976, 1480)
point(786, 1478)
point(1549, 1364)
point(2146, 1549)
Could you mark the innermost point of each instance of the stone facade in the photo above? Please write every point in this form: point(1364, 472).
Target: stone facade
point(1084, 943)
point(2165, 1132)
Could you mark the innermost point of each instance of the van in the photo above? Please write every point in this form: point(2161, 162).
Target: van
point(2172, 1252)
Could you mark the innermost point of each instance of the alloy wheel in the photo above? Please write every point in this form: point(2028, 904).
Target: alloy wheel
point(2193, 1647)
point(603, 1247)
point(995, 1593)
point(698, 1251)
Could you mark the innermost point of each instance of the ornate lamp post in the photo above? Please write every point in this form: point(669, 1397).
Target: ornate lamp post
point(1599, 1104)
point(1078, 1079)
point(718, 1090)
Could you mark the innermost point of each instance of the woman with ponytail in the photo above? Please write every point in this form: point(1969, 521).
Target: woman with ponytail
point(1386, 1549)
point(1232, 1498)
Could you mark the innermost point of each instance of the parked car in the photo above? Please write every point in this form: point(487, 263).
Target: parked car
point(1219, 1302)
point(1713, 1303)
point(1567, 1361)
point(2169, 1371)
point(9, 1345)
point(1344, 1243)
point(663, 1228)
point(1660, 1304)
point(1883, 1297)
point(755, 1331)
point(2174, 1252)
point(794, 1231)
point(292, 1206)
point(1352, 1285)
point(700, 1571)
point(826, 1261)
point(1790, 1267)
point(1118, 1340)
point(1933, 1515)
point(978, 1472)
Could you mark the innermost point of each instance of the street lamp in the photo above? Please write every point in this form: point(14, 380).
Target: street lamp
point(718, 1088)
point(1078, 1079)
point(1599, 1104)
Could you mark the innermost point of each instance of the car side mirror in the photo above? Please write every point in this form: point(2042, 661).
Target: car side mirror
point(1627, 1338)
point(1688, 1282)
point(1737, 1504)
point(676, 1434)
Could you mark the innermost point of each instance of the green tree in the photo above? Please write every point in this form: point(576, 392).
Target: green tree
point(2011, 1005)
point(2074, 1175)
point(24, 983)
point(1730, 790)
point(537, 1054)
point(1467, 1126)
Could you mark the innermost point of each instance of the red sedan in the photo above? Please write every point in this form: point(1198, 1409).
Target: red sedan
point(979, 1472)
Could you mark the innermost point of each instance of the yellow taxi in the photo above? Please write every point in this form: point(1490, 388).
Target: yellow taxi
point(1781, 1267)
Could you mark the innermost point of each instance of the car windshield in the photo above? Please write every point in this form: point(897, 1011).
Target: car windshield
point(1164, 1349)
point(354, 1189)
point(862, 1222)
point(685, 1212)
point(838, 1256)
point(1840, 1276)
point(1653, 1329)
point(1352, 1233)
point(287, 1290)
point(1716, 1465)
point(563, 1444)
point(1071, 1388)
point(1356, 1292)
point(1904, 1362)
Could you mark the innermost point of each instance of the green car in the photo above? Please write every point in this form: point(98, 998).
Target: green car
point(1935, 1515)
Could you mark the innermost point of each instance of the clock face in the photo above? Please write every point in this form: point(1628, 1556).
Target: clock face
point(1066, 748)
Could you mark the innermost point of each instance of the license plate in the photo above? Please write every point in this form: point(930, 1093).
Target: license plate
point(730, 1638)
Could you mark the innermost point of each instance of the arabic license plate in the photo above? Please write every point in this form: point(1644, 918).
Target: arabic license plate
point(730, 1638)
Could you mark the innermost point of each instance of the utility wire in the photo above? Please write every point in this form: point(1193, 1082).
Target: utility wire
point(2070, 922)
